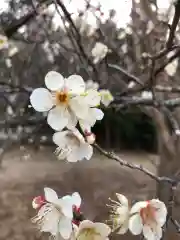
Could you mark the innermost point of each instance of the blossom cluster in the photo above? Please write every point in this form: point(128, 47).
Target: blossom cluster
point(68, 102)
point(62, 217)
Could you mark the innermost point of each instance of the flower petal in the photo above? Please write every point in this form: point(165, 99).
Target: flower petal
point(161, 211)
point(98, 113)
point(148, 233)
point(86, 224)
point(106, 97)
point(85, 126)
point(86, 151)
point(123, 228)
point(41, 100)
point(54, 80)
point(76, 199)
point(75, 84)
point(58, 118)
point(65, 227)
point(74, 156)
point(79, 107)
point(93, 98)
point(72, 120)
point(137, 206)
point(50, 195)
point(59, 138)
point(103, 229)
point(135, 224)
point(66, 206)
point(122, 199)
point(50, 221)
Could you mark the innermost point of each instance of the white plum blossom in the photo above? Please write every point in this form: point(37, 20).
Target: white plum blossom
point(131, 84)
point(55, 214)
point(120, 214)
point(3, 42)
point(66, 101)
point(171, 68)
point(95, 114)
point(146, 95)
point(106, 97)
point(88, 230)
point(90, 84)
point(99, 52)
point(72, 146)
point(148, 217)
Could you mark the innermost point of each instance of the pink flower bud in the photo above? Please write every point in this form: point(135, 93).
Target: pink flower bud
point(38, 202)
point(90, 137)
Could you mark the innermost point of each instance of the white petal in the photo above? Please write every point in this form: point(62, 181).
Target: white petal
point(76, 198)
point(161, 211)
point(50, 221)
point(65, 227)
point(93, 98)
point(103, 229)
point(57, 118)
point(41, 100)
point(86, 151)
point(59, 138)
point(98, 113)
point(158, 232)
point(74, 156)
point(123, 228)
point(50, 195)
point(85, 126)
point(54, 80)
point(106, 97)
point(66, 206)
point(135, 224)
point(72, 120)
point(86, 224)
point(148, 233)
point(137, 207)
point(79, 107)
point(78, 135)
point(122, 199)
point(75, 84)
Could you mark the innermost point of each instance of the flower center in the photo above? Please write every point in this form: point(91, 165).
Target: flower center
point(147, 214)
point(62, 97)
point(88, 234)
point(2, 41)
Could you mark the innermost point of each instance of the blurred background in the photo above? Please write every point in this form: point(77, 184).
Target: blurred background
point(44, 35)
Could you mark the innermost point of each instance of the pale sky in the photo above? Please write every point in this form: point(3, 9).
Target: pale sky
point(122, 7)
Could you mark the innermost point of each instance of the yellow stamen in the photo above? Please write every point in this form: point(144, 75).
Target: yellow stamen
point(62, 98)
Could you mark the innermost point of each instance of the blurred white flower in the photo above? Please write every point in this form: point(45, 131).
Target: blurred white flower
point(55, 214)
point(90, 84)
point(65, 101)
point(131, 84)
point(3, 42)
point(95, 114)
point(148, 217)
point(120, 214)
point(99, 52)
point(92, 230)
point(146, 95)
point(106, 97)
point(13, 50)
point(72, 146)
point(171, 68)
